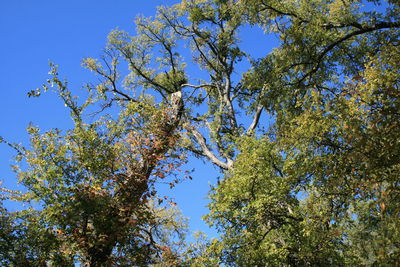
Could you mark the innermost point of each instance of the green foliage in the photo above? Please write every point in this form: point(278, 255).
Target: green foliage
point(263, 220)
point(320, 187)
point(24, 241)
point(95, 185)
point(322, 190)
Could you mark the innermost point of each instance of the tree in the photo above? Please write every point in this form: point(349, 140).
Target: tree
point(333, 86)
point(95, 187)
point(300, 192)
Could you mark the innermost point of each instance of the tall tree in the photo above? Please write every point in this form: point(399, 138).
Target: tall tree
point(299, 193)
point(95, 185)
point(318, 178)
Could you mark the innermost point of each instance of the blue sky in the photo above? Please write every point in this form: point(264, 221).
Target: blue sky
point(36, 32)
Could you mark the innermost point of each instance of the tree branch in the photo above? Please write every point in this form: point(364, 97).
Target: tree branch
point(326, 50)
point(255, 121)
point(206, 151)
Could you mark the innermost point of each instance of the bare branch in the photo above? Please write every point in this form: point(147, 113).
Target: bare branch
point(198, 86)
point(255, 121)
point(206, 151)
point(228, 102)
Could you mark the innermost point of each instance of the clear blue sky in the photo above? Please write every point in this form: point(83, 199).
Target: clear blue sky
point(36, 32)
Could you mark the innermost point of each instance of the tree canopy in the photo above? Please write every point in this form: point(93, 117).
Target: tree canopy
point(306, 138)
